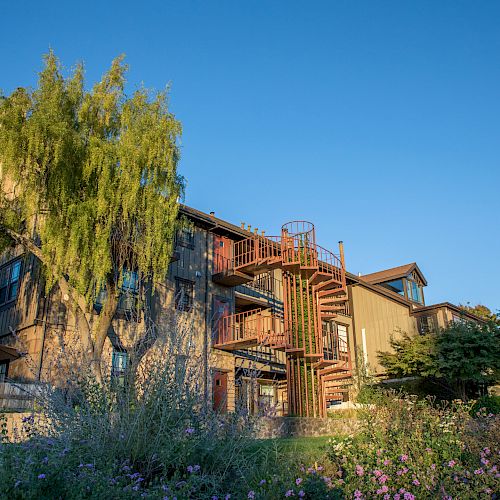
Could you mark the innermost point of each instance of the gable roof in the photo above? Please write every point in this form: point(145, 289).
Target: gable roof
point(393, 273)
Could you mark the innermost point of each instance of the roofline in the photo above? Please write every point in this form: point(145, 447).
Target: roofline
point(214, 223)
point(413, 267)
point(453, 307)
point(379, 289)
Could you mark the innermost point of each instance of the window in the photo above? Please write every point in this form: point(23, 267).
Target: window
point(119, 364)
point(185, 237)
point(183, 294)
point(9, 281)
point(414, 291)
point(395, 286)
point(3, 370)
point(129, 291)
point(427, 324)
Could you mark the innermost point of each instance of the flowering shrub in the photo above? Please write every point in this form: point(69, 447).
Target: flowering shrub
point(409, 449)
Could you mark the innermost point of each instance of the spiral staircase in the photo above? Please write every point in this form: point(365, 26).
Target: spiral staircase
point(314, 288)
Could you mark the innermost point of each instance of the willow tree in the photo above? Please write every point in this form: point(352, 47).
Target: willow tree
point(90, 187)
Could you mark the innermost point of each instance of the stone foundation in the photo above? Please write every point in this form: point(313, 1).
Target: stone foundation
point(282, 427)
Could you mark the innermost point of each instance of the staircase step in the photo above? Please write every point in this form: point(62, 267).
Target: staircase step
point(334, 291)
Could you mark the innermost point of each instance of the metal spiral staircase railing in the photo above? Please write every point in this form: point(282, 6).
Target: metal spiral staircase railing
point(315, 292)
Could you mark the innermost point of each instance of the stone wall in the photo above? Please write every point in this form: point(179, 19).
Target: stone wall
point(279, 427)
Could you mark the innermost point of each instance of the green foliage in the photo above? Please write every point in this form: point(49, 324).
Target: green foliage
point(489, 405)
point(414, 449)
point(481, 311)
point(96, 171)
point(465, 356)
point(413, 355)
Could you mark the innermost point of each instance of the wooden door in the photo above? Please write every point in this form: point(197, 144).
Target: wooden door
point(219, 392)
point(222, 253)
point(221, 329)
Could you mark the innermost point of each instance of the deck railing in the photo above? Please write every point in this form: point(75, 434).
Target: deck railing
point(250, 326)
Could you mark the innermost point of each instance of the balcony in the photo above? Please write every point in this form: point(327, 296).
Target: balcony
point(250, 329)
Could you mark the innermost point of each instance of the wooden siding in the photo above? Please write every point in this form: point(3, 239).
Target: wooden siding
point(381, 318)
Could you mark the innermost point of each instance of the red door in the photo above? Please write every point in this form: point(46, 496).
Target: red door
point(222, 253)
point(219, 392)
point(221, 328)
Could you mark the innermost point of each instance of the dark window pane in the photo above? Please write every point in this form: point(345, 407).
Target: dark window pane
point(14, 274)
point(3, 294)
point(13, 290)
point(395, 286)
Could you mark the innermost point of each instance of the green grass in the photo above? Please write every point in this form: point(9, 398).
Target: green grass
point(299, 449)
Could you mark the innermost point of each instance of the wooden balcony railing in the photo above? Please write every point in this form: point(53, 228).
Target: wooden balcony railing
point(250, 327)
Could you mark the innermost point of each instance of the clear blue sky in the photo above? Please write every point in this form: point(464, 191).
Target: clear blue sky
point(378, 121)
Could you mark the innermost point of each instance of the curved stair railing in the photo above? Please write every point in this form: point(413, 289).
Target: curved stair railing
point(314, 292)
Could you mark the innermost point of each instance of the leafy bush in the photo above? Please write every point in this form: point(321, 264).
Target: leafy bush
point(410, 449)
point(486, 405)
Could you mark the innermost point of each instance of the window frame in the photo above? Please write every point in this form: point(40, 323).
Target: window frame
point(180, 306)
point(185, 237)
point(8, 267)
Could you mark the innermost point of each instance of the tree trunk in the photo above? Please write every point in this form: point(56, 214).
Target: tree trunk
point(102, 328)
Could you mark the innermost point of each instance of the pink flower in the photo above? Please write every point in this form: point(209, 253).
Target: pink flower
point(416, 482)
point(478, 472)
point(382, 490)
point(377, 472)
point(358, 494)
point(397, 496)
point(433, 466)
point(452, 463)
point(403, 458)
point(359, 470)
point(409, 496)
point(428, 450)
point(383, 478)
point(387, 462)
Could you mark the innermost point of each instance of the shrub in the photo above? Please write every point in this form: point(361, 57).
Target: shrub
point(486, 405)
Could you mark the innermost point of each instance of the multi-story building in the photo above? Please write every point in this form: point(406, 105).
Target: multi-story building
point(277, 321)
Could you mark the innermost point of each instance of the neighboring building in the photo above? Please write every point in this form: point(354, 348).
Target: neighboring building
point(277, 320)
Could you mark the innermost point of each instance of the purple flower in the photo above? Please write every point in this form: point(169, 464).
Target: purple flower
point(416, 482)
point(433, 466)
point(251, 495)
point(41, 476)
point(478, 472)
point(17, 483)
point(383, 478)
point(298, 481)
point(408, 496)
point(215, 497)
point(403, 458)
point(227, 497)
point(397, 496)
point(382, 490)
point(289, 493)
point(302, 494)
point(189, 431)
